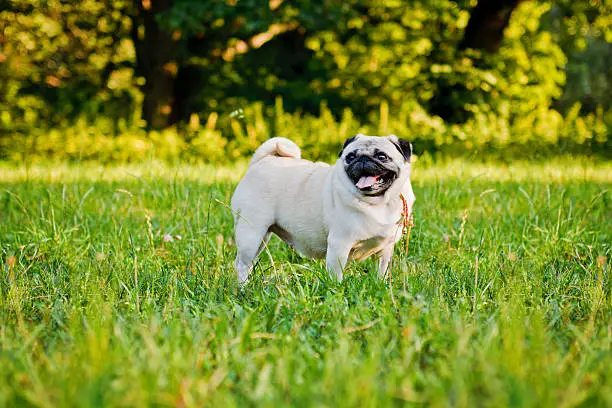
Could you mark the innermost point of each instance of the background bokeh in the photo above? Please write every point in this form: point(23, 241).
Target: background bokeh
point(209, 80)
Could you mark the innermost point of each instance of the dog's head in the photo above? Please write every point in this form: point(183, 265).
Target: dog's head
point(374, 163)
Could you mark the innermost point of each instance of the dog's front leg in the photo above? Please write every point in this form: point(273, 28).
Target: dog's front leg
point(385, 260)
point(337, 255)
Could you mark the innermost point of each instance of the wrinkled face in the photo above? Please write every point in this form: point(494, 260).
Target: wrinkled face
point(373, 163)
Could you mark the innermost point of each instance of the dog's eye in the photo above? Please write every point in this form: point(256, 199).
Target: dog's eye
point(350, 157)
point(381, 156)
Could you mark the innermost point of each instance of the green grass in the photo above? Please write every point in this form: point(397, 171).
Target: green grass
point(503, 299)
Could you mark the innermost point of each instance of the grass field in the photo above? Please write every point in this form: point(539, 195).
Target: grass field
point(117, 289)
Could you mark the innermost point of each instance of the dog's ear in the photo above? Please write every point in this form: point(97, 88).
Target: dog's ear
point(403, 145)
point(346, 143)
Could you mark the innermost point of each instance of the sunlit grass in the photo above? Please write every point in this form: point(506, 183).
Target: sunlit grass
point(116, 289)
point(556, 170)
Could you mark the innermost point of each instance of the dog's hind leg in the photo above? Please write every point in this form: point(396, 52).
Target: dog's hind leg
point(250, 241)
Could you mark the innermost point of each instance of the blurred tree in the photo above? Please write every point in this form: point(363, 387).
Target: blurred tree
point(583, 29)
point(156, 61)
point(118, 61)
point(232, 51)
point(61, 60)
point(484, 32)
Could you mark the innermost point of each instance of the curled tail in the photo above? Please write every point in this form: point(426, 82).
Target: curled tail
point(277, 146)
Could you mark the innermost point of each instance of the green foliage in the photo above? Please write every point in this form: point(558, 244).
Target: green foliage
point(227, 138)
point(584, 30)
point(62, 61)
point(71, 85)
point(503, 298)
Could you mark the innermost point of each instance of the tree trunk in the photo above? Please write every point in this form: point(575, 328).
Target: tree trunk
point(488, 20)
point(156, 58)
point(187, 87)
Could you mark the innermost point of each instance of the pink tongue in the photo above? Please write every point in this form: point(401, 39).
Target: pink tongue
point(366, 182)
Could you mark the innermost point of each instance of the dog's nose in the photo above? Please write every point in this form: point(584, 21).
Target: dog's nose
point(364, 164)
point(360, 163)
point(363, 160)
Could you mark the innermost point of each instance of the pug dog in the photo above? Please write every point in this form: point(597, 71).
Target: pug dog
point(351, 210)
